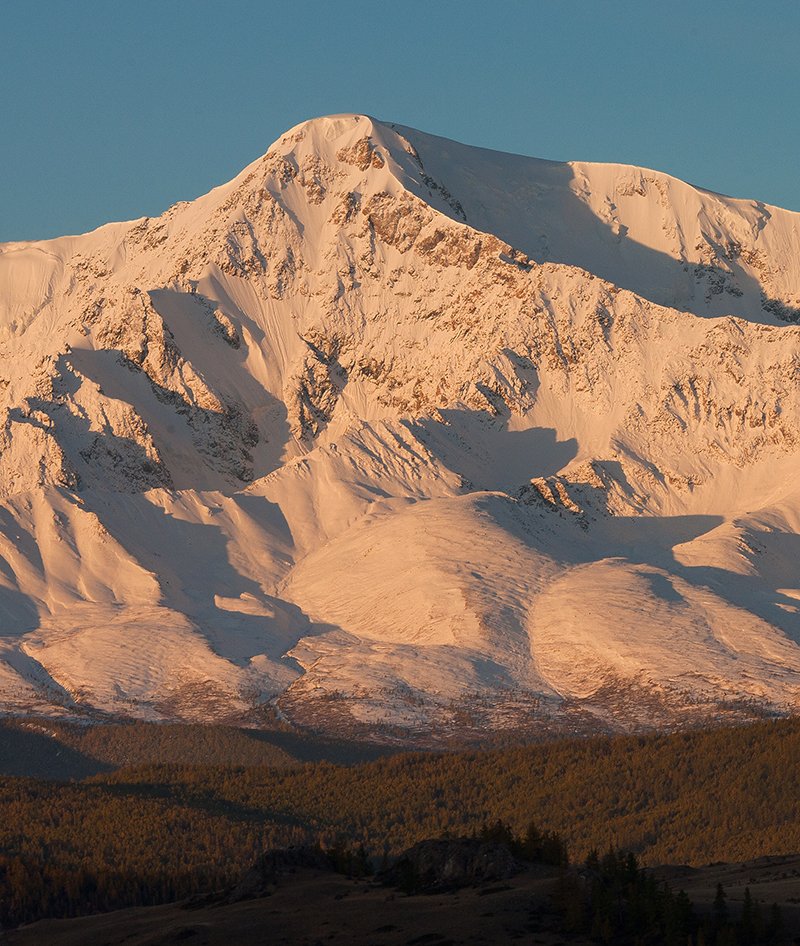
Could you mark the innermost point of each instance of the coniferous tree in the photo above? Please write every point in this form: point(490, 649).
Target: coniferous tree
point(719, 909)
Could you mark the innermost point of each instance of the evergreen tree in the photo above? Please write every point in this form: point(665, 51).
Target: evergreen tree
point(774, 926)
point(719, 909)
point(747, 931)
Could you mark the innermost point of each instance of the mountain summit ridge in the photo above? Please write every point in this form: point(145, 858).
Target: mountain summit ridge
point(389, 432)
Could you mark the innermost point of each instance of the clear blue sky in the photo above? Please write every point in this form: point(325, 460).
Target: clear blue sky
point(111, 110)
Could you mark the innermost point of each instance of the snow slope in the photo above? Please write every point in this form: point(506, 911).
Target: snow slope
point(394, 433)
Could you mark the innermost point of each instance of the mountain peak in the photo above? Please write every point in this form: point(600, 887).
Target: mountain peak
point(389, 425)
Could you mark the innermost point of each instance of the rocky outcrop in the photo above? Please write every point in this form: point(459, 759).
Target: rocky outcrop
point(275, 864)
point(436, 865)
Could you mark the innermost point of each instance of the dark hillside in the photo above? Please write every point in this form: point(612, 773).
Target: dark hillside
point(150, 833)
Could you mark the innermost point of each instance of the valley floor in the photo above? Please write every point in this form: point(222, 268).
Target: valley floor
point(313, 907)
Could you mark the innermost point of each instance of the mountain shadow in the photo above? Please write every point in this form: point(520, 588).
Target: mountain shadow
point(31, 750)
point(535, 206)
point(198, 579)
point(486, 454)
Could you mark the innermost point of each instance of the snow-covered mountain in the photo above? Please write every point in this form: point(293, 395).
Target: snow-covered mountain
point(395, 433)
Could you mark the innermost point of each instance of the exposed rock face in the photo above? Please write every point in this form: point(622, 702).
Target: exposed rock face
point(275, 864)
point(406, 437)
point(447, 864)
